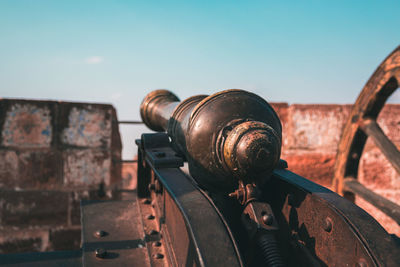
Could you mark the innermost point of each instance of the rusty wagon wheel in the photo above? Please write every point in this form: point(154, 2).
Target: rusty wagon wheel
point(361, 125)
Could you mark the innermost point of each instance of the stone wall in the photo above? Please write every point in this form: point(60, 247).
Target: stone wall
point(311, 134)
point(52, 155)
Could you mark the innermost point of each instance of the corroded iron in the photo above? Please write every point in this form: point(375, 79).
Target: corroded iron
point(228, 136)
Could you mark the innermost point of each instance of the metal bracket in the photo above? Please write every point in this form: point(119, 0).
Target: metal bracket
point(158, 151)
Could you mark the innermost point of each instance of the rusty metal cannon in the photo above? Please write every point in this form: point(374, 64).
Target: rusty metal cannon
point(301, 222)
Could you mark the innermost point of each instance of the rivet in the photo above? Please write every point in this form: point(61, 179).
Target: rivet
point(153, 232)
point(157, 244)
point(267, 219)
point(362, 263)
point(158, 256)
point(100, 233)
point(150, 217)
point(327, 224)
point(152, 187)
point(100, 253)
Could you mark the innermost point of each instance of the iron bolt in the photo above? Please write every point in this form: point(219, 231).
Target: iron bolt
point(152, 187)
point(327, 225)
point(150, 217)
point(100, 233)
point(153, 232)
point(100, 253)
point(158, 256)
point(157, 244)
point(267, 219)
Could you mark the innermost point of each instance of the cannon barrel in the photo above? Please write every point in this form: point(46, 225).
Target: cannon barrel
point(226, 137)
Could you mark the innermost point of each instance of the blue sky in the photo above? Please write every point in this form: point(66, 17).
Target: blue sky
point(117, 51)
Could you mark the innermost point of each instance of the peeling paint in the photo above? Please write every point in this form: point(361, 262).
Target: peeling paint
point(87, 167)
point(27, 125)
point(88, 128)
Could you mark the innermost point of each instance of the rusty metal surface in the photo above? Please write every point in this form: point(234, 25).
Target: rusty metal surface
point(362, 123)
point(208, 237)
point(182, 211)
point(124, 239)
point(335, 231)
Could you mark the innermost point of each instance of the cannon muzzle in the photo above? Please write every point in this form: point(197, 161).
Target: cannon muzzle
point(226, 137)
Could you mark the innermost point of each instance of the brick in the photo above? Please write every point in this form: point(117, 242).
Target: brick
point(86, 126)
point(316, 127)
point(40, 169)
point(8, 168)
point(316, 167)
point(27, 125)
point(29, 208)
point(23, 240)
point(29, 169)
point(65, 239)
point(86, 167)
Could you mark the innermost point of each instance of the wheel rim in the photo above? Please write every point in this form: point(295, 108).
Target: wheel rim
point(362, 124)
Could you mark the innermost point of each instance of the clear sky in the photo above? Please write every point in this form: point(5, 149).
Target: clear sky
point(117, 51)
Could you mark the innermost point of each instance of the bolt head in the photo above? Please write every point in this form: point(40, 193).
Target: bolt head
point(268, 219)
point(157, 244)
point(100, 233)
point(152, 187)
point(100, 253)
point(328, 224)
point(153, 232)
point(158, 256)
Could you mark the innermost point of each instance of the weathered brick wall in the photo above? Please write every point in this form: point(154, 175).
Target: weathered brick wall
point(52, 155)
point(311, 134)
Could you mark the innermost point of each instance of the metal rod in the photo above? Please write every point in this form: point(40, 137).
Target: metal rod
point(386, 206)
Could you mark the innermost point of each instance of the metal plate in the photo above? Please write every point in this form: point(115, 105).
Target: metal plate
point(124, 238)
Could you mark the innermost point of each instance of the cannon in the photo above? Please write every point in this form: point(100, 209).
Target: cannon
point(213, 191)
point(270, 216)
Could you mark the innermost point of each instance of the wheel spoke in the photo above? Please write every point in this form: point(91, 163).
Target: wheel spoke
point(392, 154)
point(388, 207)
